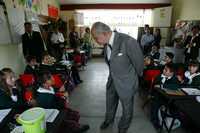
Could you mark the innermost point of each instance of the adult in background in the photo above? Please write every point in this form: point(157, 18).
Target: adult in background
point(147, 40)
point(157, 37)
point(125, 60)
point(32, 42)
point(87, 42)
point(192, 44)
point(57, 41)
point(73, 38)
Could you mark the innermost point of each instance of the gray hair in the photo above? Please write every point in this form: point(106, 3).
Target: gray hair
point(100, 27)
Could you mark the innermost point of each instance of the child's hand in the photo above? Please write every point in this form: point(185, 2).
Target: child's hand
point(32, 102)
point(16, 116)
point(62, 88)
point(66, 94)
point(180, 78)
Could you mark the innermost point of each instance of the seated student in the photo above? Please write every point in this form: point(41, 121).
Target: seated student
point(192, 76)
point(32, 66)
point(154, 52)
point(166, 80)
point(46, 98)
point(10, 94)
point(168, 58)
point(148, 63)
point(47, 63)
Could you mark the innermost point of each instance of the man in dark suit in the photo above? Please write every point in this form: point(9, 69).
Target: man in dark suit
point(32, 42)
point(192, 44)
point(125, 60)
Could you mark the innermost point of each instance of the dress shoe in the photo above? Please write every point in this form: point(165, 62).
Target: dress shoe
point(82, 129)
point(122, 131)
point(105, 125)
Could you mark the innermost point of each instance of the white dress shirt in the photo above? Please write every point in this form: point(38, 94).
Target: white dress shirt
point(57, 38)
point(109, 51)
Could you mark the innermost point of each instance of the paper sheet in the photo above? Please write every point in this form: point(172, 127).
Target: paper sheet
point(4, 113)
point(51, 114)
point(191, 91)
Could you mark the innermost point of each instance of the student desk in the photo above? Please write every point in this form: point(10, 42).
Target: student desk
point(53, 127)
point(191, 108)
point(186, 104)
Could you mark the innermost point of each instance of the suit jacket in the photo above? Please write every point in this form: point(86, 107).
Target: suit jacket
point(125, 65)
point(33, 45)
point(194, 53)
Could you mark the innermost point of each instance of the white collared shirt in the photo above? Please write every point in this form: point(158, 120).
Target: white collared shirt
point(110, 43)
point(43, 90)
point(165, 78)
point(57, 38)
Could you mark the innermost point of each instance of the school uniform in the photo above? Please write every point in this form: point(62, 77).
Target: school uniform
point(13, 101)
point(155, 55)
point(31, 70)
point(168, 82)
point(191, 80)
point(46, 98)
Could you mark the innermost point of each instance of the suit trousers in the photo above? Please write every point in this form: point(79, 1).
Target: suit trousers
point(112, 101)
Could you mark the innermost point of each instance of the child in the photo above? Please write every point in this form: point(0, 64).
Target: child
point(154, 52)
point(148, 63)
point(168, 58)
point(10, 95)
point(32, 65)
point(46, 98)
point(168, 79)
point(192, 76)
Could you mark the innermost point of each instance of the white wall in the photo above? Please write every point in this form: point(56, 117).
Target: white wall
point(11, 56)
point(185, 10)
point(111, 1)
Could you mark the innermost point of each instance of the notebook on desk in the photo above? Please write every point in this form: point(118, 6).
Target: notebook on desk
point(191, 91)
point(4, 113)
point(51, 114)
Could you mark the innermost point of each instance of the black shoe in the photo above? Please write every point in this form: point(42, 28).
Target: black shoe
point(105, 125)
point(82, 129)
point(122, 131)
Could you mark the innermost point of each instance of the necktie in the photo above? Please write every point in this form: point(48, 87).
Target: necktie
point(110, 47)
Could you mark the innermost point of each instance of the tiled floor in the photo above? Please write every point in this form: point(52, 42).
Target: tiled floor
point(89, 99)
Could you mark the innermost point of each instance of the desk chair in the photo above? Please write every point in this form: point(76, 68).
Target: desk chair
point(165, 113)
point(27, 80)
point(149, 78)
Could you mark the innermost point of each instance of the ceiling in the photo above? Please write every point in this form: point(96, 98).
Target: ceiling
point(62, 2)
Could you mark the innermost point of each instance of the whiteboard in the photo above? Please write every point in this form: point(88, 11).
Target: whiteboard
point(4, 32)
point(162, 17)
